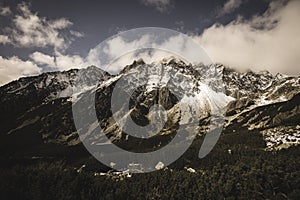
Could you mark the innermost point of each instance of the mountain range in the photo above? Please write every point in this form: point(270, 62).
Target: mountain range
point(37, 121)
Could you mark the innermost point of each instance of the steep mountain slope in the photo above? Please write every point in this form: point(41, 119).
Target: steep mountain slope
point(278, 122)
point(38, 110)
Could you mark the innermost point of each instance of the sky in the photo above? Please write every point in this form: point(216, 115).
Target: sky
point(37, 36)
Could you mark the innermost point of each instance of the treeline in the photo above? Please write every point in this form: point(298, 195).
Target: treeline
point(247, 172)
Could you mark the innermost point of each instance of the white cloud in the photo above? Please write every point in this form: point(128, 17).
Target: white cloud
point(267, 42)
point(42, 59)
point(4, 39)
point(30, 30)
point(65, 62)
point(113, 51)
point(5, 11)
point(122, 52)
point(118, 45)
point(77, 34)
point(148, 46)
point(14, 68)
point(58, 62)
point(93, 58)
point(160, 5)
point(148, 56)
point(229, 7)
point(60, 24)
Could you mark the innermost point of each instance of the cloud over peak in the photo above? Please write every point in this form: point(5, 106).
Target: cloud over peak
point(13, 68)
point(58, 62)
point(265, 42)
